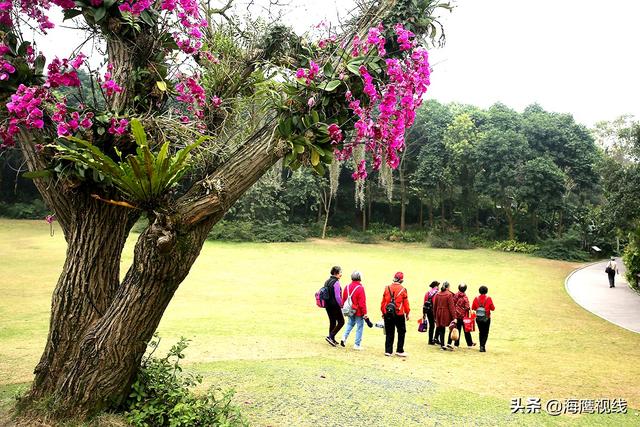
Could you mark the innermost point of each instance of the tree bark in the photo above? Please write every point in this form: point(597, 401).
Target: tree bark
point(95, 233)
point(88, 282)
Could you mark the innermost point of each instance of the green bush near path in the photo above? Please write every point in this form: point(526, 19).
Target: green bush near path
point(249, 311)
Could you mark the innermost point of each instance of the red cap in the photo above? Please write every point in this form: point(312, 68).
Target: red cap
point(399, 276)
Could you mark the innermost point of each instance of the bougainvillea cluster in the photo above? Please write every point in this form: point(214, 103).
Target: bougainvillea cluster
point(385, 106)
point(30, 106)
point(187, 13)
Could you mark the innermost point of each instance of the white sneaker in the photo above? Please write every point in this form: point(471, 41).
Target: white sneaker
point(358, 347)
point(387, 354)
point(401, 354)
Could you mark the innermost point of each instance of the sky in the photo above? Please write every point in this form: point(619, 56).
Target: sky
point(569, 56)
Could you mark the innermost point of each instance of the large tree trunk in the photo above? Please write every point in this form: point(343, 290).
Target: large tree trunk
point(87, 284)
point(111, 350)
point(95, 233)
point(100, 328)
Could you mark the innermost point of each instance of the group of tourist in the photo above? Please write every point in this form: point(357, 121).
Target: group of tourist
point(442, 309)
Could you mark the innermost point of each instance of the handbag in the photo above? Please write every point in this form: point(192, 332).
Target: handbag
point(423, 325)
point(469, 324)
point(455, 335)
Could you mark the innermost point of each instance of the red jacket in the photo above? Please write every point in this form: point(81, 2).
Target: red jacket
point(399, 295)
point(486, 301)
point(358, 298)
point(443, 308)
point(462, 305)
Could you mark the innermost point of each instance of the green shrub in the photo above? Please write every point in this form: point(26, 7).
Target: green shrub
point(514, 246)
point(555, 250)
point(395, 235)
point(33, 210)
point(162, 395)
point(278, 232)
point(364, 237)
point(232, 231)
point(451, 240)
point(568, 248)
point(631, 258)
point(246, 231)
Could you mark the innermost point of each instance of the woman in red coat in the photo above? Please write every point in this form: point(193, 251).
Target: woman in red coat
point(483, 322)
point(445, 313)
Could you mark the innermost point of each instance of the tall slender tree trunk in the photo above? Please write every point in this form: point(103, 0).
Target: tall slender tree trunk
point(421, 219)
point(442, 209)
point(560, 223)
point(509, 214)
point(326, 203)
point(369, 201)
point(403, 194)
point(430, 208)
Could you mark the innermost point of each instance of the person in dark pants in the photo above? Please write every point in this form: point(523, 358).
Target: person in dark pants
point(483, 300)
point(395, 311)
point(462, 311)
point(444, 312)
point(427, 309)
point(334, 304)
point(612, 270)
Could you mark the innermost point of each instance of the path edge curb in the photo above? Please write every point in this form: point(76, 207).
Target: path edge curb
point(566, 289)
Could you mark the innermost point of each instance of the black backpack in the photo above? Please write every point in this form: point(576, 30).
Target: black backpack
point(327, 293)
point(428, 304)
point(390, 308)
point(481, 311)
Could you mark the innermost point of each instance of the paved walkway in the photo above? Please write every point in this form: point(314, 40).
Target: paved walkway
point(589, 287)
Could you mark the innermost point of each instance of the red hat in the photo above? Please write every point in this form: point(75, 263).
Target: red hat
point(398, 277)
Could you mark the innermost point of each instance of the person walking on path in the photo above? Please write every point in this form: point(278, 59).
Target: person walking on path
point(355, 292)
point(334, 304)
point(462, 311)
point(612, 270)
point(395, 311)
point(444, 312)
point(483, 306)
point(427, 308)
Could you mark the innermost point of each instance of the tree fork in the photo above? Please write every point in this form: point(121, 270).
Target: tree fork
point(111, 349)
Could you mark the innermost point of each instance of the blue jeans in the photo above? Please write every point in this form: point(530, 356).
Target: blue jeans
point(353, 321)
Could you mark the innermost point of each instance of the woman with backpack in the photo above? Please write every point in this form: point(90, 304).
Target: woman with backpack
point(483, 306)
point(333, 305)
point(354, 306)
point(445, 312)
point(395, 311)
point(427, 309)
point(462, 311)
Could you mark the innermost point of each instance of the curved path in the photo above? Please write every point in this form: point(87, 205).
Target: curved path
point(589, 287)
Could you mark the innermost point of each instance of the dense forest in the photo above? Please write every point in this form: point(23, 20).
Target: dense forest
point(530, 181)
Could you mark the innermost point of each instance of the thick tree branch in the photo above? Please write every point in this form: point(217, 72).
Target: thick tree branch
point(214, 195)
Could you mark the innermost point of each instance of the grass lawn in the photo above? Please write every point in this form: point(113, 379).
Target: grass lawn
point(250, 313)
